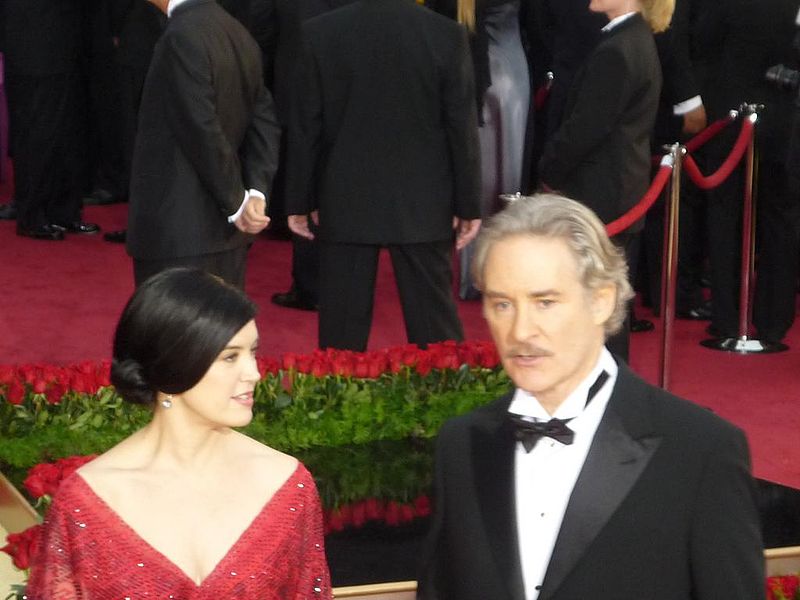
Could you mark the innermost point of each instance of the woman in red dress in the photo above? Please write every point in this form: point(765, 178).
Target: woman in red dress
point(185, 508)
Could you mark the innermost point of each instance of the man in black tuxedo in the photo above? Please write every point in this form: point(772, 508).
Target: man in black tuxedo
point(206, 147)
point(584, 481)
point(383, 142)
point(43, 54)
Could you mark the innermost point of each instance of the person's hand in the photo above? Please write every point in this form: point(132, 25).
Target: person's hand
point(695, 121)
point(253, 219)
point(299, 225)
point(466, 230)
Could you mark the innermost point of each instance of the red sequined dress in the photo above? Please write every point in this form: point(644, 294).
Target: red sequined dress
point(88, 552)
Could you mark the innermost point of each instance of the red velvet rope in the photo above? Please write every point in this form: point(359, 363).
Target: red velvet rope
point(637, 212)
point(709, 132)
point(727, 167)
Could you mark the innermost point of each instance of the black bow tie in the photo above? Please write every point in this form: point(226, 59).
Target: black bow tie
point(529, 432)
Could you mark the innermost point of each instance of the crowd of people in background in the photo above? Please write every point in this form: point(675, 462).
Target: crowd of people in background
point(360, 159)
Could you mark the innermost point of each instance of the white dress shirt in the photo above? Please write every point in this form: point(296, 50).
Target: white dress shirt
point(545, 477)
point(173, 4)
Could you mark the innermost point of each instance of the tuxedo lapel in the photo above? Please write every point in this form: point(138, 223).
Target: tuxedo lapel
point(620, 451)
point(493, 467)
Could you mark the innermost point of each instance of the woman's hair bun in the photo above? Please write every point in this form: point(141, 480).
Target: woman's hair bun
point(128, 377)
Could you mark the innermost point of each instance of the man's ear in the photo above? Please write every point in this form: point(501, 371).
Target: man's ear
point(604, 301)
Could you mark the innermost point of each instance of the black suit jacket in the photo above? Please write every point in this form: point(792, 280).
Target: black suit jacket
point(663, 508)
point(284, 47)
point(384, 133)
point(680, 82)
point(600, 154)
point(207, 132)
point(569, 31)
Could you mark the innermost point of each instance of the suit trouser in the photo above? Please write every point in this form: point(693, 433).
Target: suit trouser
point(777, 238)
point(347, 285)
point(228, 265)
point(49, 152)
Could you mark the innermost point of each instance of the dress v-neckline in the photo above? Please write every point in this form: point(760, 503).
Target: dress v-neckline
point(168, 562)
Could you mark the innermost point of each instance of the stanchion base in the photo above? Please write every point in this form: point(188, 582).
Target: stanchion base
point(744, 345)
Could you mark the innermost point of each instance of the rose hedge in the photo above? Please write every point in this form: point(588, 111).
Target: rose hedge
point(360, 421)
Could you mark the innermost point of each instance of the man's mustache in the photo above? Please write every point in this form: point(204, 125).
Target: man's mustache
point(527, 350)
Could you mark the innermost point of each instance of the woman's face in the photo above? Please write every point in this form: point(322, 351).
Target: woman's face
point(224, 396)
point(614, 8)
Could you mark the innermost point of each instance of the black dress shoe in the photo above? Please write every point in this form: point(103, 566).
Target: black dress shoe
point(293, 299)
point(78, 227)
point(696, 313)
point(8, 212)
point(641, 325)
point(116, 237)
point(43, 232)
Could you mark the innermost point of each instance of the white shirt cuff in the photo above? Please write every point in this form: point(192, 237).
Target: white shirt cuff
point(681, 108)
point(247, 195)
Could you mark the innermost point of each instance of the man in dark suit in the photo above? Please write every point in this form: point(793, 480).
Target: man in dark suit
point(737, 40)
point(383, 142)
point(286, 19)
point(600, 153)
point(43, 53)
point(584, 481)
point(206, 147)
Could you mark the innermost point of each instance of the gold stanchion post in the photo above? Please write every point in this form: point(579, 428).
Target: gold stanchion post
point(744, 343)
point(669, 264)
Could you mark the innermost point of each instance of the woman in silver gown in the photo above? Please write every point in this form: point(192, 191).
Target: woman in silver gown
point(502, 77)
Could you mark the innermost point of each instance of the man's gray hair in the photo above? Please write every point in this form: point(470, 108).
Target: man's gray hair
point(599, 261)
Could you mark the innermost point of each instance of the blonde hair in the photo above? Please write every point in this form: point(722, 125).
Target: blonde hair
point(466, 14)
point(657, 13)
point(599, 261)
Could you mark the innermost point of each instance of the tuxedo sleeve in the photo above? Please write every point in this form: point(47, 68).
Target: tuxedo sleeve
point(726, 548)
point(605, 91)
point(673, 45)
point(191, 113)
point(259, 151)
point(461, 127)
point(305, 133)
point(432, 579)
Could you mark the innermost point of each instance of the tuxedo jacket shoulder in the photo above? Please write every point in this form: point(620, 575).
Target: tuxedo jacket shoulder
point(384, 124)
point(207, 132)
point(600, 154)
point(663, 508)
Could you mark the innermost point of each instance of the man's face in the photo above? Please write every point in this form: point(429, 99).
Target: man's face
point(547, 327)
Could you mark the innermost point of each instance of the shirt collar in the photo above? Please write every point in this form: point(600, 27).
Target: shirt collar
point(526, 404)
point(614, 22)
point(173, 4)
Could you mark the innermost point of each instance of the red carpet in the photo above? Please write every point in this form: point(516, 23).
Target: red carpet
point(59, 302)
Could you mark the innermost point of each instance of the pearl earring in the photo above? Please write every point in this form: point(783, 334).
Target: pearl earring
point(167, 401)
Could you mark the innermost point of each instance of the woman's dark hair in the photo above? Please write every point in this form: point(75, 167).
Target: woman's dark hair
point(171, 331)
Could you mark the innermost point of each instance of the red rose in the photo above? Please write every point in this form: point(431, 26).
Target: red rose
point(359, 514)
point(334, 521)
point(392, 513)
point(55, 392)
point(373, 509)
point(361, 368)
point(319, 368)
point(406, 513)
point(376, 365)
point(289, 360)
point(15, 392)
point(304, 363)
point(22, 546)
point(424, 365)
point(104, 373)
point(422, 506)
